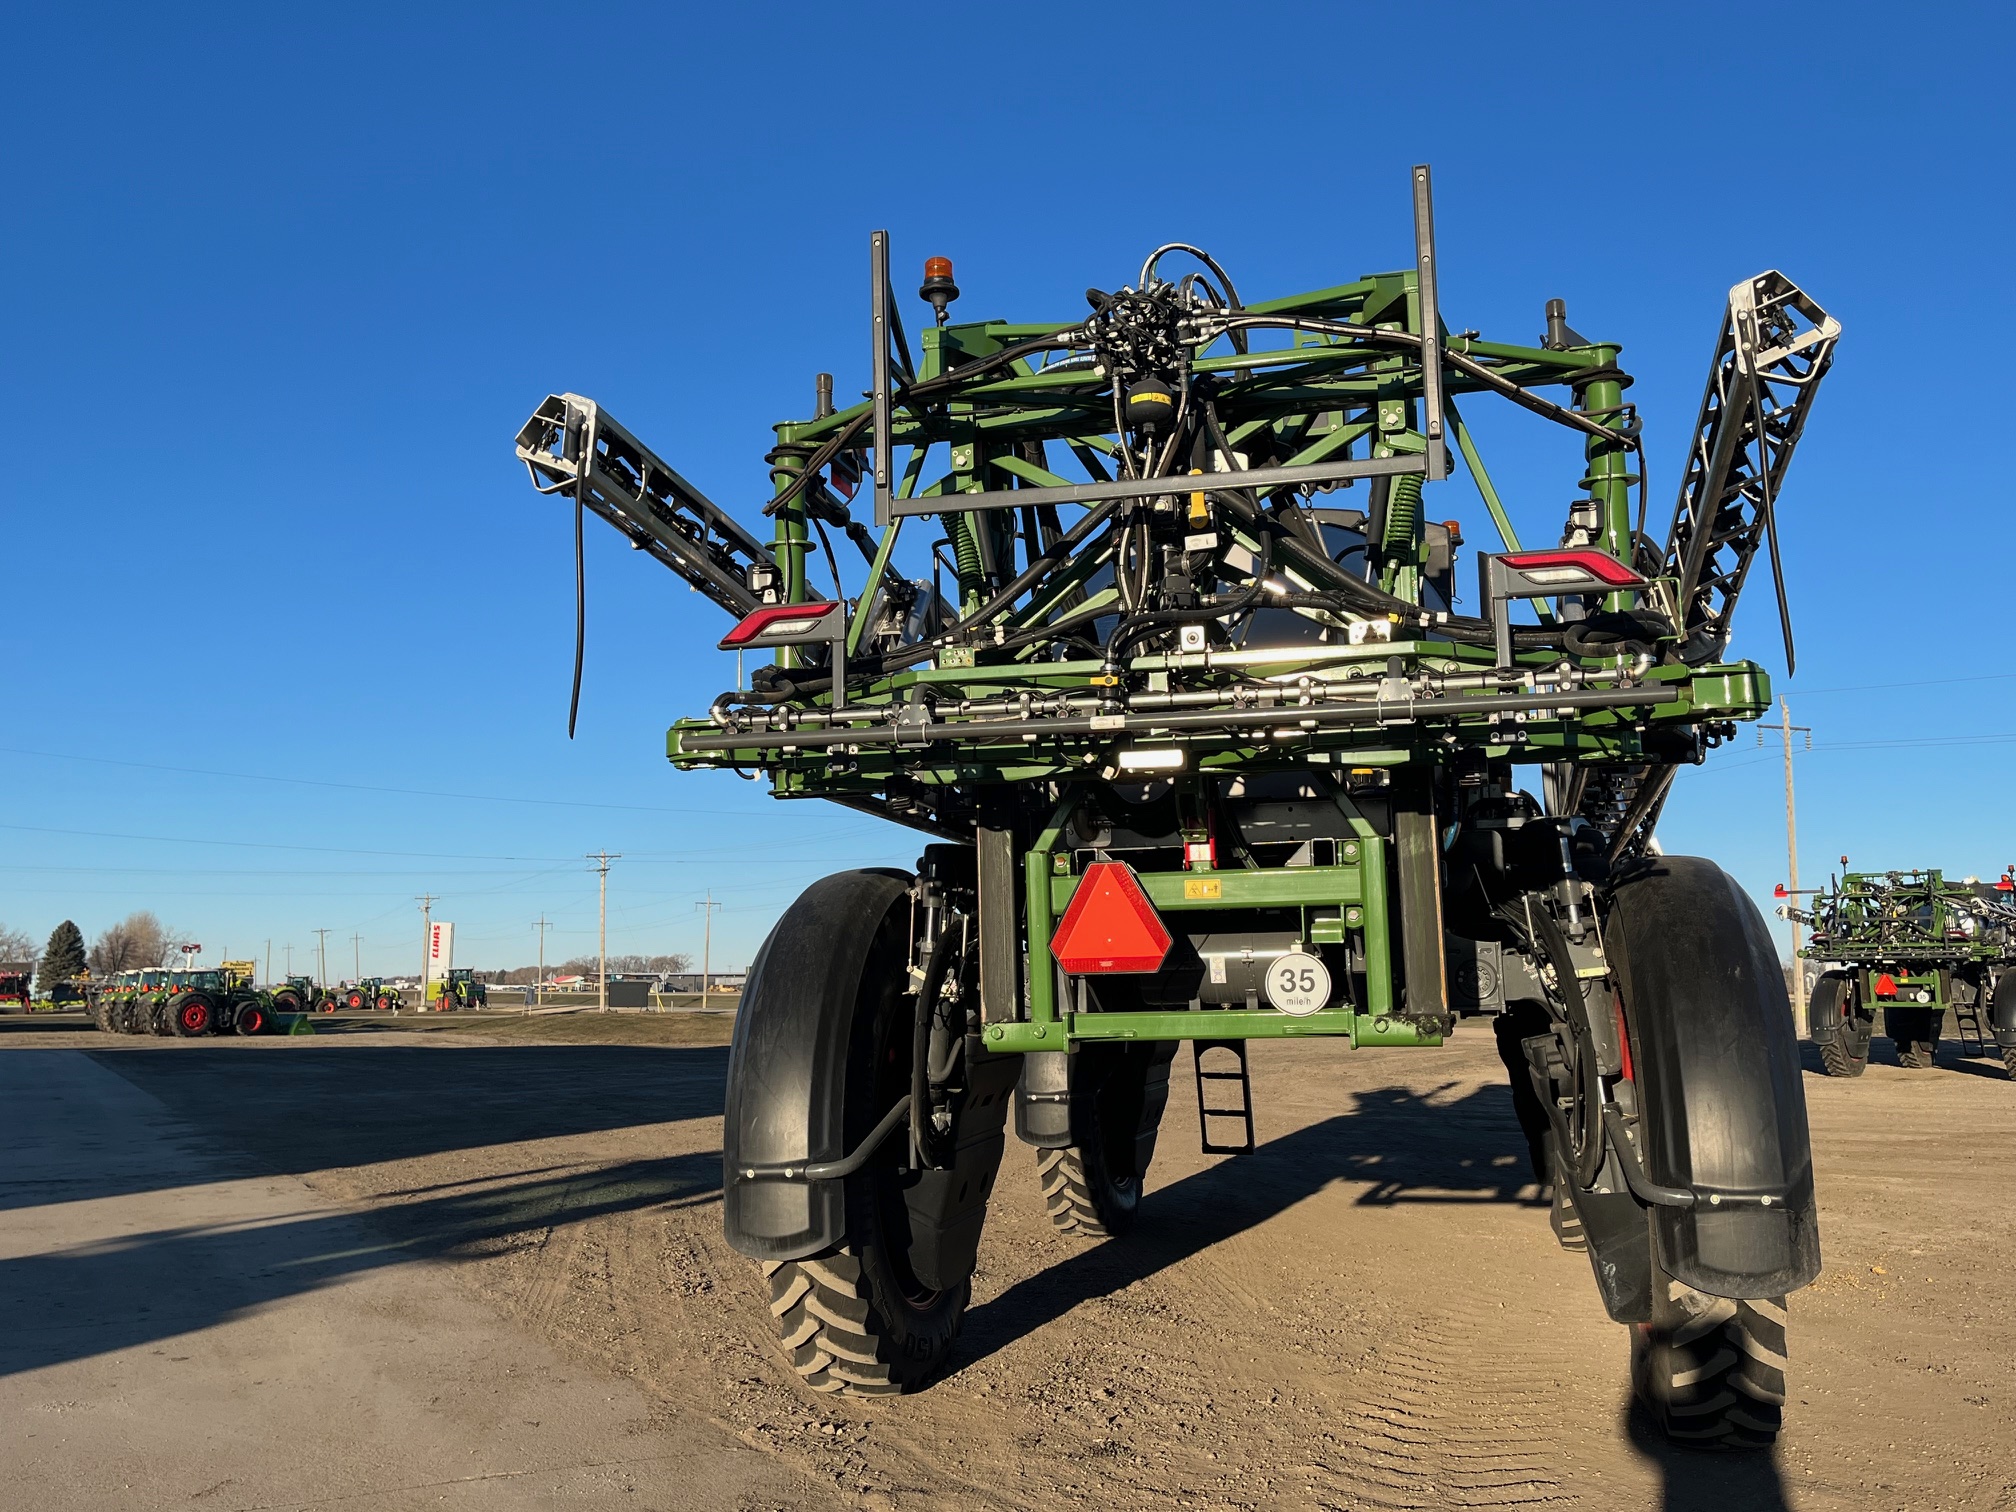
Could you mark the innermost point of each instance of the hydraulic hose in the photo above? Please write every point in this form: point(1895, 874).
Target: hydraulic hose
point(930, 992)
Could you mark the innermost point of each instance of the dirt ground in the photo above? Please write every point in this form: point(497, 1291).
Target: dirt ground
point(1368, 1312)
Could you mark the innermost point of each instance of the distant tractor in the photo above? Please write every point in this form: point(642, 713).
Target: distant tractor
point(462, 990)
point(1914, 945)
point(371, 993)
point(298, 995)
point(16, 978)
point(217, 1001)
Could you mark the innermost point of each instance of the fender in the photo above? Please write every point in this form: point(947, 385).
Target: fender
point(1716, 1069)
point(787, 1065)
point(2002, 1009)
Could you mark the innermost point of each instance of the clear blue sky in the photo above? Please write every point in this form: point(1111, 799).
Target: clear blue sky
point(288, 633)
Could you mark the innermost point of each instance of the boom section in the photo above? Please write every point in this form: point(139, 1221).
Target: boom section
point(1774, 348)
point(570, 446)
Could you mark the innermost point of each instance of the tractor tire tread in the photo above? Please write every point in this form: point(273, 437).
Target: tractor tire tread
point(829, 1329)
point(1837, 1060)
point(1068, 1195)
point(1718, 1378)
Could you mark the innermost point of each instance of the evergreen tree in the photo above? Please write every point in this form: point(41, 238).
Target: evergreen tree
point(62, 958)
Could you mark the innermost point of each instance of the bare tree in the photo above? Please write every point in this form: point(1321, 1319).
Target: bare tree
point(16, 945)
point(137, 941)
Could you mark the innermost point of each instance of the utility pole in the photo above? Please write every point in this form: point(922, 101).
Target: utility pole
point(269, 963)
point(290, 960)
point(539, 981)
point(706, 945)
point(357, 957)
point(1788, 730)
point(602, 860)
point(321, 957)
point(426, 902)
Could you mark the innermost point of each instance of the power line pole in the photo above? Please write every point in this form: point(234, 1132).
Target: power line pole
point(706, 945)
point(1788, 730)
point(426, 902)
point(539, 981)
point(269, 963)
point(603, 858)
point(357, 956)
point(290, 960)
point(321, 957)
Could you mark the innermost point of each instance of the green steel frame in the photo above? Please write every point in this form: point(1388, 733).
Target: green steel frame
point(1032, 685)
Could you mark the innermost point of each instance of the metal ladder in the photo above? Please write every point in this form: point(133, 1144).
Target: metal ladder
point(1966, 1021)
point(1205, 1112)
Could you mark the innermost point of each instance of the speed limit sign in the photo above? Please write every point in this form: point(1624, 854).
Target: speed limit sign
point(1298, 984)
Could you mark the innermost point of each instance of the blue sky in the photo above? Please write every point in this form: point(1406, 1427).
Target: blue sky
point(289, 634)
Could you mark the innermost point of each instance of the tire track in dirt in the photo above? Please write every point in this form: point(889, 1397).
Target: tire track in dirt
point(1451, 1415)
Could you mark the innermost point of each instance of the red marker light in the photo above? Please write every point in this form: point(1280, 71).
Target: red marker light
point(1779, 891)
point(1111, 926)
point(775, 624)
point(1570, 567)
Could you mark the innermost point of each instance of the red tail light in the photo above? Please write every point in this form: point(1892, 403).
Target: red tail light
point(1570, 569)
point(782, 625)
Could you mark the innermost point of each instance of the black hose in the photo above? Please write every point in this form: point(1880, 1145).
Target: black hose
point(929, 991)
point(580, 616)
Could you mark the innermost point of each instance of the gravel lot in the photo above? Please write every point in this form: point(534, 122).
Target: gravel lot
point(1370, 1311)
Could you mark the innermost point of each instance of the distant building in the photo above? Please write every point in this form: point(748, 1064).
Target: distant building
point(689, 981)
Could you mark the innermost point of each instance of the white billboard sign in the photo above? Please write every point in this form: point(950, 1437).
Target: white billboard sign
point(440, 952)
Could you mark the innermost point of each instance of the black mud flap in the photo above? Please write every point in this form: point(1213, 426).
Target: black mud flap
point(788, 1065)
point(948, 1207)
point(1043, 1099)
point(1715, 1056)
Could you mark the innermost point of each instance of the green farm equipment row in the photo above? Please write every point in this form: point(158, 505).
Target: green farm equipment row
point(184, 1003)
point(1157, 640)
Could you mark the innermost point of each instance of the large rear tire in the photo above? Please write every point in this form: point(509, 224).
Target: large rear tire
point(1092, 1187)
point(1833, 1024)
point(2002, 1017)
point(193, 1015)
point(287, 1000)
point(855, 1319)
point(1697, 972)
point(1711, 1370)
point(251, 1019)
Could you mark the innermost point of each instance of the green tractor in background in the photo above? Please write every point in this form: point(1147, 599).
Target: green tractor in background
point(461, 990)
point(221, 1000)
point(298, 994)
point(1913, 945)
point(370, 993)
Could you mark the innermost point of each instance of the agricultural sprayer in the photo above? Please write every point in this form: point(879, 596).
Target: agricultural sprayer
point(1177, 686)
point(1914, 945)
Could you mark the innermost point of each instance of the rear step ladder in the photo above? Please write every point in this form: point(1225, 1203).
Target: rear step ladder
point(1205, 1112)
point(1966, 1023)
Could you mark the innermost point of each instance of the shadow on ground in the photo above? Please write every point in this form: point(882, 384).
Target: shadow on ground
point(1706, 1480)
point(313, 1109)
point(1404, 1145)
point(94, 1299)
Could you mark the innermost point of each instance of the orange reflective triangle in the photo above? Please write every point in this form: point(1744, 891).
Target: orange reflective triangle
point(1111, 926)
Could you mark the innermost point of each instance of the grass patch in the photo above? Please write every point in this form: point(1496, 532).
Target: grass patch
point(592, 1028)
